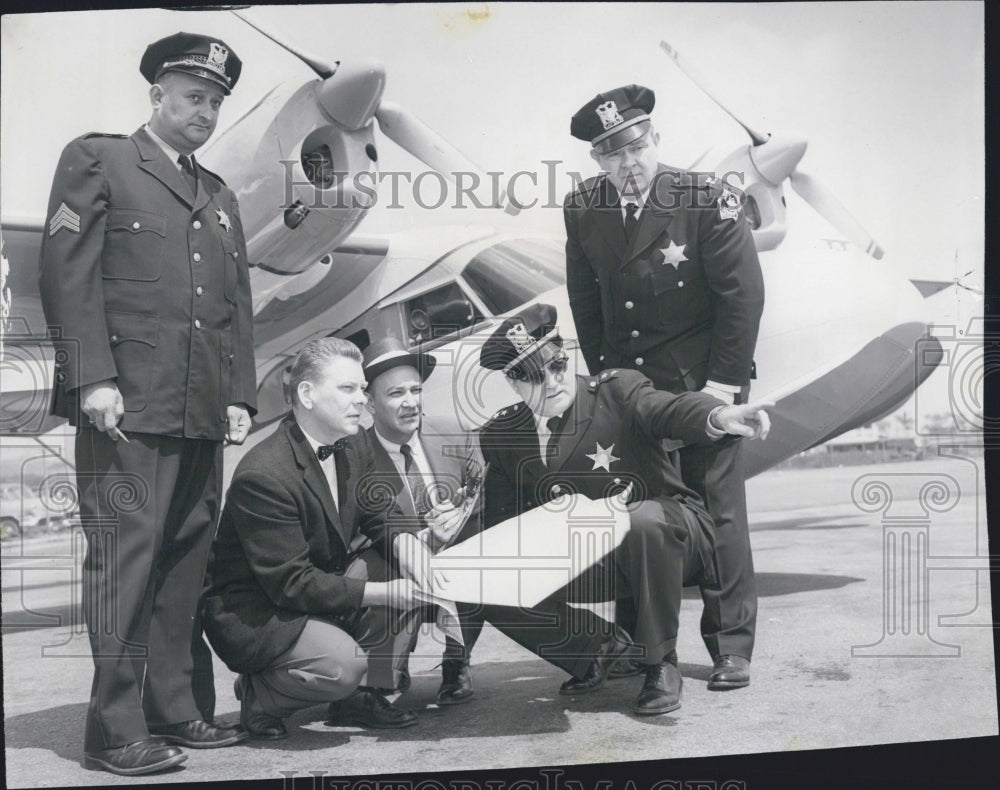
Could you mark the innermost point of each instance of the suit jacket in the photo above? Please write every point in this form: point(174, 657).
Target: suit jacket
point(682, 302)
point(147, 284)
point(455, 461)
point(612, 436)
point(283, 545)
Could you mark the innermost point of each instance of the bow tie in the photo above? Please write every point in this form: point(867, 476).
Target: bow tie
point(324, 451)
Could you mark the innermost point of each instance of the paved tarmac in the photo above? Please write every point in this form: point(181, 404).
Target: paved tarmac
point(927, 672)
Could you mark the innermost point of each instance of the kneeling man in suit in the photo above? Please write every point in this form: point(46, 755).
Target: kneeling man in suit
point(427, 466)
point(302, 600)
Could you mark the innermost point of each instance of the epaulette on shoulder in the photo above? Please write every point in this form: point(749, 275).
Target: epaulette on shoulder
point(584, 189)
point(506, 413)
point(90, 135)
point(594, 382)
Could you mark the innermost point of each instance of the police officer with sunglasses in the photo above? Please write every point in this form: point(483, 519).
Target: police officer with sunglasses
point(600, 436)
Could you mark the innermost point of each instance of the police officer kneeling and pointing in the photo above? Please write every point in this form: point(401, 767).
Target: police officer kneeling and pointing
point(600, 435)
point(145, 284)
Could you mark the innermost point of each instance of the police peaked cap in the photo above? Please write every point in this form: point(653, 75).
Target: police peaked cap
point(615, 118)
point(520, 337)
point(201, 56)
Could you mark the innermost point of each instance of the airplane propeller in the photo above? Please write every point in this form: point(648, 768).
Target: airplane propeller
point(776, 156)
point(351, 94)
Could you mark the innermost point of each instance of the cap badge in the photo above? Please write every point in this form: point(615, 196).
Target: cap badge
point(217, 55)
point(519, 338)
point(729, 205)
point(608, 113)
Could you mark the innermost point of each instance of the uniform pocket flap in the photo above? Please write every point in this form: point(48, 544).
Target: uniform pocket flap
point(136, 221)
point(124, 327)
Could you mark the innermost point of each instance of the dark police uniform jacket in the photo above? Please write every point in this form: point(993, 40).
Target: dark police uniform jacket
point(148, 286)
point(680, 325)
point(283, 545)
point(611, 437)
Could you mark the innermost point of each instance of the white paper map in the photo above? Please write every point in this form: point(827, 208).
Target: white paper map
point(523, 560)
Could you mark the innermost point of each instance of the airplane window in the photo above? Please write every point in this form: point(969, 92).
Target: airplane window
point(507, 275)
point(437, 313)
point(360, 338)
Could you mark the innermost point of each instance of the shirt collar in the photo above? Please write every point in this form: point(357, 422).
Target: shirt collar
point(171, 153)
point(393, 447)
point(542, 423)
point(314, 443)
point(640, 200)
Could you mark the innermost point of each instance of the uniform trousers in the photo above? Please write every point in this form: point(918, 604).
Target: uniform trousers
point(148, 510)
point(661, 553)
point(729, 616)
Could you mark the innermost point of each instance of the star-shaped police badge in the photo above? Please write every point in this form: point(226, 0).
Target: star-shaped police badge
point(603, 458)
point(223, 219)
point(674, 254)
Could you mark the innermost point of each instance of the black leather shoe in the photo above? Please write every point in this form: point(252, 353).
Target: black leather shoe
point(368, 707)
point(729, 672)
point(661, 693)
point(132, 759)
point(199, 734)
point(625, 668)
point(456, 682)
point(597, 673)
point(255, 721)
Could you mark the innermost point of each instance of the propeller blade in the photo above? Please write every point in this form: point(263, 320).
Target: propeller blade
point(674, 55)
point(320, 66)
point(415, 137)
point(817, 195)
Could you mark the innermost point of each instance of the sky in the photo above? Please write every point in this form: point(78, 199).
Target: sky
point(888, 95)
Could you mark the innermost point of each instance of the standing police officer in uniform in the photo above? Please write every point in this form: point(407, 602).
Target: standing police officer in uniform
point(663, 277)
point(145, 286)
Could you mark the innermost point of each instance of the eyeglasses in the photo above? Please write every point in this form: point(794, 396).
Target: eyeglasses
point(557, 366)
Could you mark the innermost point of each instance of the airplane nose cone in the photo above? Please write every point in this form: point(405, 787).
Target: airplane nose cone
point(776, 159)
point(352, 94)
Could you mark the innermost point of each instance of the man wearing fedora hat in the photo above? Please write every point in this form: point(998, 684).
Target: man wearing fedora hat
point(663, 278)
point(145, 285)
point(303, 601)
point(598, 436)
point(428, 467)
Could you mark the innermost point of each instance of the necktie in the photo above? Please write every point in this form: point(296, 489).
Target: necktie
point(324, 451)
point(631, 221)
point(187, 170)
point(418, 488)
point(555, 425)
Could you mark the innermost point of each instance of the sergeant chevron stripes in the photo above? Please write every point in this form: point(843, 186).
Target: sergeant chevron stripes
point(64, 217)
